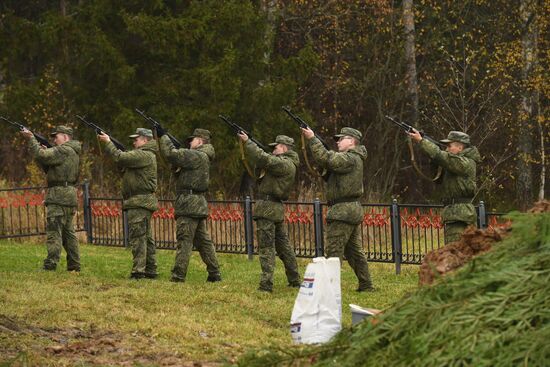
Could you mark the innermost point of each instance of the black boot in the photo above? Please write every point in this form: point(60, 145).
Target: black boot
point(212, 278)
point(137, 276)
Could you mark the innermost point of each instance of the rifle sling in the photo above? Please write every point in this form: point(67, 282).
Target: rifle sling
point(243, 158)
point(99, 145)
point(163, 160)
point(417, 169)
point(306, 159)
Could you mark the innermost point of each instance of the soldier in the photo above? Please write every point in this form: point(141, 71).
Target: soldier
point(344, 190)
point(191, 207)
point(139, 183)
point(458, 183)
point(280, 171)
point(61, 164)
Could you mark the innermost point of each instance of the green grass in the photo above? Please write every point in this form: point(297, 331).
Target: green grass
point(154, 320)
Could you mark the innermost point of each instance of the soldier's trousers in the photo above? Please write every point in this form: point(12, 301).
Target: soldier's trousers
point(192, 232)
point(454, 230)
point(141, 242)
point(344, 239)
point(60, 232)
point(273, 239)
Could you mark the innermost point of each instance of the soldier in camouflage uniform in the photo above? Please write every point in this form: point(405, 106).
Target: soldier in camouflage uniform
point(458, 183)
point(61, 164)
point(344, 190)
point(191, 207)
point(139, 183)
point(280, 171)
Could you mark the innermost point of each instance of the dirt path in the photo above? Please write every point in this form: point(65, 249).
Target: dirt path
point(73, 346)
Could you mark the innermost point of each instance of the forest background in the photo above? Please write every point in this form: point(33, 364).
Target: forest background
point(476, 65)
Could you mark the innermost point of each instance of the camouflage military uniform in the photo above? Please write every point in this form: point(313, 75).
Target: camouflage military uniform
point(280, 172)
point(139, 183)
point(344, 190)
point(61, 163)
point(458, 183)
point(191, 207)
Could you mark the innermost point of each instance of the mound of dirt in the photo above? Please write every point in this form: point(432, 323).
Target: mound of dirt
point(453, 256)
point(540, 207)
point(473, 242)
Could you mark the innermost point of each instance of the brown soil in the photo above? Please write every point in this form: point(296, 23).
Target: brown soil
point(540, 207)
point(453, 256)
point(473, 242)
point(73, 346)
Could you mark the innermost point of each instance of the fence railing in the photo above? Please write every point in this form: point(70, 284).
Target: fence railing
point(392, 233)
point(23, 214)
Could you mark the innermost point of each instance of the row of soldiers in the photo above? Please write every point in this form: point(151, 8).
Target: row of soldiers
point(344, 189)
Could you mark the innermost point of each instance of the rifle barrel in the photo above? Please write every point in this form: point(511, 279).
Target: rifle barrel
point(408, 129)
point(156, 124)
point(41, 139)
point(304, 125)
point(99, 130)
point(238, 129)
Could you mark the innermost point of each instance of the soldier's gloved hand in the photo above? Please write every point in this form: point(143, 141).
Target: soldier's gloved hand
point(160, 131)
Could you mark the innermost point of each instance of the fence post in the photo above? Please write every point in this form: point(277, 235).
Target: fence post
point(397, 246)
point(87, 211)
point(318, 223)
point(482, 216)
point(248, 228)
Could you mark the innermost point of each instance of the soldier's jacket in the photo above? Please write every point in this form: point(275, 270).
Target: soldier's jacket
point(345, 180)
point(280, 172)
point(458, 180)
point(139, 180)
point(194, 175)
point(61, 163)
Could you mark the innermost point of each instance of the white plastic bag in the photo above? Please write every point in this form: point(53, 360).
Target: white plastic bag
point(317, 313)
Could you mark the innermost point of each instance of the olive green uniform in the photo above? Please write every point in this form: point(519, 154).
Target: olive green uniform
point(62, 165)
point(139, 183)
point(191, 208)
point(275, 186)
point(457, 185)
point(344, 190)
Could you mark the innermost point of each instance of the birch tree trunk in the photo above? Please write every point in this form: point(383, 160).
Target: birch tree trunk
point(410, 57)
point(528, 112)
point(269, 7)
point(542, 163)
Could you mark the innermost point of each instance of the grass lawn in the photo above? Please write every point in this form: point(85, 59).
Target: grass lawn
point(100, 317)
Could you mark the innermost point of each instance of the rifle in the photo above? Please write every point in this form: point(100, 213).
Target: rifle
point(409, 129)
point(42, 140)
point(154, 123)
point(238, 129)
point(99, 130)
point(304, 125)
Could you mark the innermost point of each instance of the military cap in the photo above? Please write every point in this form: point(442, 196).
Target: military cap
point(457, 136)
point(62, 129)
point(140, 131)
point(200, 133)
point(283, 139)
point(349, 131)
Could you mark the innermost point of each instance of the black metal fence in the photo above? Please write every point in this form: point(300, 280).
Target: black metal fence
point(23, 214)
point(393, 233)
